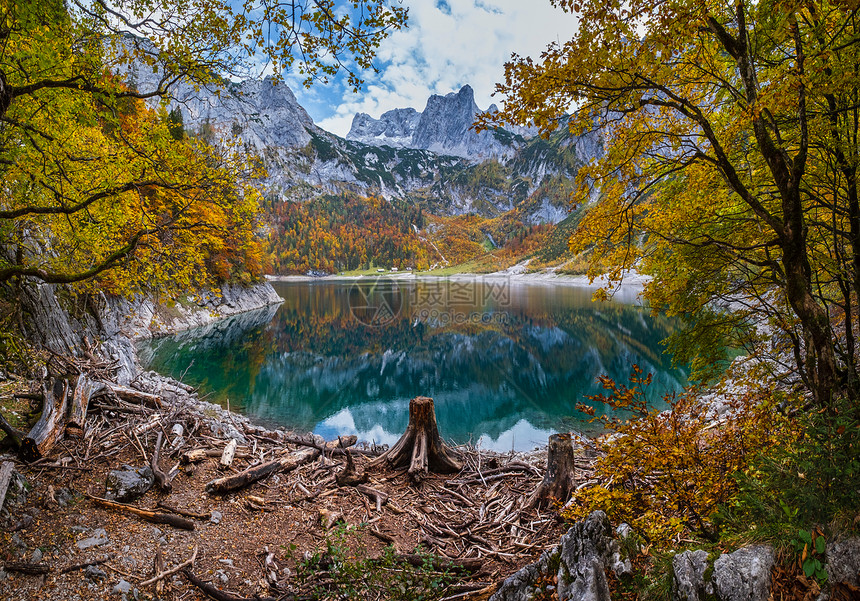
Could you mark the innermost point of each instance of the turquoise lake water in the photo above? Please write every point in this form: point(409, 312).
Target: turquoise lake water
point(506, 362)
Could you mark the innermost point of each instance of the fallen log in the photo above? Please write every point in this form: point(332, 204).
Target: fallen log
point(185, 512)
point(441, 564)
point(50, 427)
point(558, 481)
point(155, 517)
point(27, 568)
point(134, 396)
point(215, 593)
point(421, 446)
point(198, 455)
point(258, 472)
point(228, 454)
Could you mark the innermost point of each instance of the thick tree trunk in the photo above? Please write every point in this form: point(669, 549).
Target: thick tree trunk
point(50, 427)
point(558, 482)
point(135, 396)
point(820, 356)
point(421, 447)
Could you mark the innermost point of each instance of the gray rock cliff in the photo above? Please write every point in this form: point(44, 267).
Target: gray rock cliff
point(110, 324)
point(431, 156)
point(394, 128)
point(443, 127)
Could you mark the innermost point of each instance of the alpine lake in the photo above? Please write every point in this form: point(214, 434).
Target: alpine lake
point(506, 361)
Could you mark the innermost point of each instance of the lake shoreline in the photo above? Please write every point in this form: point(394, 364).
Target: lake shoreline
point(513, 275)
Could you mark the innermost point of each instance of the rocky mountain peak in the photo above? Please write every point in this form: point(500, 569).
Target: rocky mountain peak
point(443, 127)
point(394, 128)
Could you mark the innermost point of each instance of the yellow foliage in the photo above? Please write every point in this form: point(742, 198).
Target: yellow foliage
point(666, 472)
point(729, 168)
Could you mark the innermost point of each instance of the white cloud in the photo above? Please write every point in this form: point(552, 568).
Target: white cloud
point(447, 45)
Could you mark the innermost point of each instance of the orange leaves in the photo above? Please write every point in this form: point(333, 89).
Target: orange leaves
point(333, 233)
point(666, 471)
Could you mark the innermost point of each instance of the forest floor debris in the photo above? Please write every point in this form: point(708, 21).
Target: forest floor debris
point(473, 525)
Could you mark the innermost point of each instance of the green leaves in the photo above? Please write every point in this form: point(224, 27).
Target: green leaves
point(810, 547)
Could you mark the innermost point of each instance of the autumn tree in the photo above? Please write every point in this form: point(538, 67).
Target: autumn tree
point(97, 177)
point(730, 164)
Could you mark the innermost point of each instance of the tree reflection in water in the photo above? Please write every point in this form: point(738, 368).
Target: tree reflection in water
point(505, 363)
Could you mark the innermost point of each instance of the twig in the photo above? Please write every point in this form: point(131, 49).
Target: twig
point(150, 516)
point(188, 562)
point(185, 512)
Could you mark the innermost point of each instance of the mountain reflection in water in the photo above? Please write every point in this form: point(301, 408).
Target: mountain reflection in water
point(506, 362)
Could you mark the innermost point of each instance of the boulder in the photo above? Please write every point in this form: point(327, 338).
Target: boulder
point(688, 579)
point(129, 483)
point(744, 575)
point(843, 561)
point(578, 563)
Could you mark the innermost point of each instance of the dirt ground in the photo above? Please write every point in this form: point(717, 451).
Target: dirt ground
point(245, 539)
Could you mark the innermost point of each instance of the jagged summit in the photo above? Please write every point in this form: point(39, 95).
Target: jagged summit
point(394, 128)
point(432, 157)
point(443, 127)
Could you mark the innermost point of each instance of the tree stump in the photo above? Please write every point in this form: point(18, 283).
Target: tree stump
point(51, 425)
point(558, 482)
point(421, 447)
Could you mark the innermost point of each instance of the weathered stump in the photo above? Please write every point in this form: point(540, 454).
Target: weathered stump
point(51, 425)
point(85, 389)
point(421, 447)
point(558, 482)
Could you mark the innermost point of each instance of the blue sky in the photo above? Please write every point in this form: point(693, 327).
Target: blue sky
point(449, 43)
